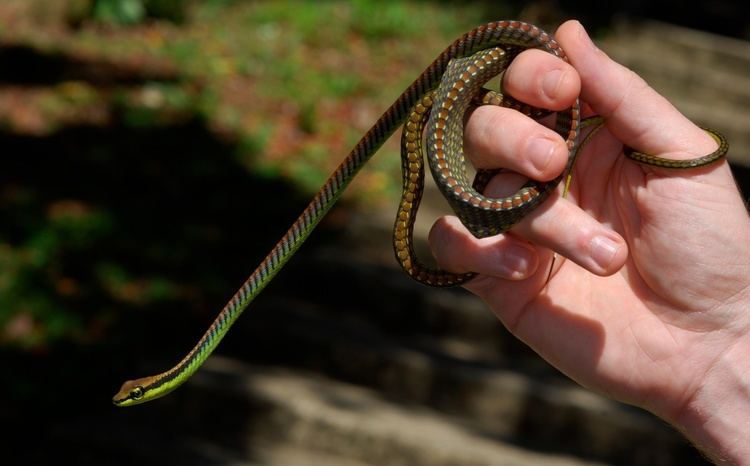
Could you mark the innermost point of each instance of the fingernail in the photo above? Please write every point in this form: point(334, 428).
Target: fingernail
point(551, 83)
point(517, 262)
point(540, 153)
point(603, 251)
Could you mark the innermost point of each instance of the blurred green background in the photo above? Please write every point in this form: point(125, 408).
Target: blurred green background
point(154, 150)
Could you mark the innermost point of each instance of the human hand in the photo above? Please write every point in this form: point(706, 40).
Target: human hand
point(649, 304)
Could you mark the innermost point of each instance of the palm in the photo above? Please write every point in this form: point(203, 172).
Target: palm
point(634, 332)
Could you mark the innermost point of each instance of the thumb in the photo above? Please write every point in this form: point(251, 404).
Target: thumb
point(633, 112)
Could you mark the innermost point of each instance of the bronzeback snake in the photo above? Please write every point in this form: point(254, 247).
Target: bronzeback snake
point(433, 104)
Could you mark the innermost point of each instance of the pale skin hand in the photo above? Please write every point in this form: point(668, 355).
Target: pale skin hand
point(649, 302)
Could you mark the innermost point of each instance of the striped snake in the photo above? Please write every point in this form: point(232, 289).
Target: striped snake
point(434, 103)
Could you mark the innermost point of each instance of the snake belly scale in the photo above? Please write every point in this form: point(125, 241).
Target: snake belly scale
point(435, 102)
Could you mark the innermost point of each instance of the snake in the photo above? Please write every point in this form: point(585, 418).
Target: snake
point(431, 111)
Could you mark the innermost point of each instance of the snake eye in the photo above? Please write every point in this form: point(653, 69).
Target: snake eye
point(136, 393)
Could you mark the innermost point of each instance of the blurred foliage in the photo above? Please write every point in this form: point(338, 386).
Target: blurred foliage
point(135, 11)
point(285, 89)
point(34, 285)
point(119, 11)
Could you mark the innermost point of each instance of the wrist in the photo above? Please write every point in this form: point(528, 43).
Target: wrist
point(717, 417)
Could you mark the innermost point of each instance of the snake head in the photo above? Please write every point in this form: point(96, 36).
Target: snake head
point(132, 392)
